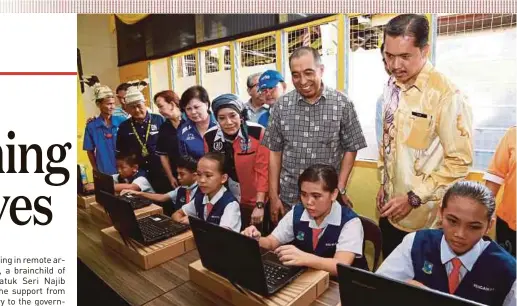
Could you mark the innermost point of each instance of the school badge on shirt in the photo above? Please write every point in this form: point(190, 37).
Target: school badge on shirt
point(300, 235)
point(218, 145)
point(245, 145)
point(428, 267)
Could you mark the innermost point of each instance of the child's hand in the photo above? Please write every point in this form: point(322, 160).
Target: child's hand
point(416, 283)
point(252, 232)
point(129, 191)
point(89, 187)
point(184, 220)
point(290, 255)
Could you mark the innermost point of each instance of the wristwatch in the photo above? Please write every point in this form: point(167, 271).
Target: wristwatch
point(342, 191)
point(413, 199)
point(260, 205)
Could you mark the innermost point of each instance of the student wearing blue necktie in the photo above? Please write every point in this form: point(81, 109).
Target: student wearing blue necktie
point(458, 259)
point(322, 232)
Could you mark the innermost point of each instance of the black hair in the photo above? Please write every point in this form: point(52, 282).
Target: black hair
point(219, 158)
point(320, 172)
point(472, 190)
point(187, 163)
point(413, 25)
point(305, 50)
point(129, 158)
point(123, 86)
point(198, 92)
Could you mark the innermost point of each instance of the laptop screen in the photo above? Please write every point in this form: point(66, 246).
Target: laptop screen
point(359, 287)
point(229, 254)
point(121, 214)
point(103, 182)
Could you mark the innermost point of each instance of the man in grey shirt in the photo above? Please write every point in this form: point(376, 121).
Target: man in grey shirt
point(255, 104)
point(311, 124)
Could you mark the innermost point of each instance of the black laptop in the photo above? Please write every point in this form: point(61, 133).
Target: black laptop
point(80, 186)
point(146, 230)
point(104, 182)
point(360, 287)
point(238, 258)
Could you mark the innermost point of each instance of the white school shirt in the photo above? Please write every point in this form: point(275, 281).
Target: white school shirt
point(231, 217)
point(350, 239)
point(140, 181)
point(399, 264)
point(174, 193)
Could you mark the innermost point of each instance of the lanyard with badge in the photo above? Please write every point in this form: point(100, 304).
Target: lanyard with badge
point(145, 152)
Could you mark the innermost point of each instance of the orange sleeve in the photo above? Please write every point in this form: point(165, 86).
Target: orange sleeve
point(261, 166)
point(500, 164)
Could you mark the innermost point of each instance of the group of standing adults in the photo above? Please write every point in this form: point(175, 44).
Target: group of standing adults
point(425, 141)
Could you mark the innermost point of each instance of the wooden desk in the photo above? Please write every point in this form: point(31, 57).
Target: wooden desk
point(165, 284)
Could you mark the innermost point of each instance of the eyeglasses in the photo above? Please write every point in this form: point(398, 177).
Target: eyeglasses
point(251, 87)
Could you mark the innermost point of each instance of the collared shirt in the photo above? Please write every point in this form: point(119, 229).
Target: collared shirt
point(307, 134)
point(190, 141)
point(399, 264)
point(168, 144)
point(120, 112)
point(174, 193)
point(429, 145)
point(127, 141)
point(140, 181)
point(255, 113)
point(350, 239)
point(502, 171)
point(103, 140)
point(231, 217)
point(264, 119)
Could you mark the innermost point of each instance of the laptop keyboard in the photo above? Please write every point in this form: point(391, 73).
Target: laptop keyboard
point(274, 274)
point(150, 230)
point(137, 202)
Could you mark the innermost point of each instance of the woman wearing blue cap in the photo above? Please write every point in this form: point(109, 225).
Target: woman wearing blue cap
point(247, 159)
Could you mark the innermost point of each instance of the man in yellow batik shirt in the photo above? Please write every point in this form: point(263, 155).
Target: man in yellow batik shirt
point(427, 133)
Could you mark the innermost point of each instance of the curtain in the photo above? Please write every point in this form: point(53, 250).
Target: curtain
point(126, 18)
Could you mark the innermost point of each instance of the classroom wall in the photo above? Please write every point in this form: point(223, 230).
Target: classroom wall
point(98, 47)
point(136, 71)
point(159, 76)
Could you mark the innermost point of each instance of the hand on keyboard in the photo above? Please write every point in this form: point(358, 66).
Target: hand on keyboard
point(184, 220)
point(129, 192)
point(290, 255)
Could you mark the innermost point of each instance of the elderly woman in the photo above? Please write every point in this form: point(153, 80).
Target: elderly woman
point(196, 104)
point(167, 102)
point(246, 159)
point(100, 136)
point(139, 135)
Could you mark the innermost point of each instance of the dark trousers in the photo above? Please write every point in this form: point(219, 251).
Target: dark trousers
point(505, 236)
point(391, 237)
point(264, 227)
